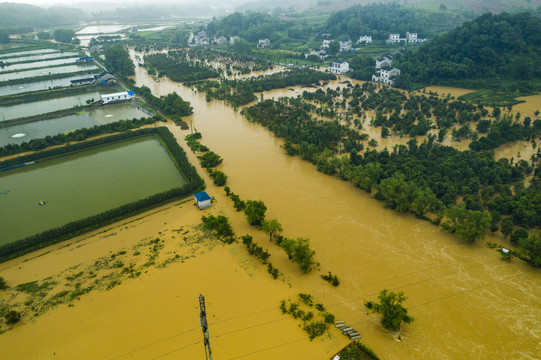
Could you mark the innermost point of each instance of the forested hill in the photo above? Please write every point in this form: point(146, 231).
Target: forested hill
point(490, 48)
point(379, 20)
point(251, 26)
point(22, 15)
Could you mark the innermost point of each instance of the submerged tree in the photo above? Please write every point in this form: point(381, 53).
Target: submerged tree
point(391, 309)
point(272, 227)
point(255, 212)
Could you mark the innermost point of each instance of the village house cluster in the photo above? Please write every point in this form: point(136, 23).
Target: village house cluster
point(202, 39)
point(410, 38)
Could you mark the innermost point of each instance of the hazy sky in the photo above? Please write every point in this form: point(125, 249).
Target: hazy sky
point(48, 3)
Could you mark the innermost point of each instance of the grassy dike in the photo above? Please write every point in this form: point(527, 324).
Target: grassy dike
point(193, 183)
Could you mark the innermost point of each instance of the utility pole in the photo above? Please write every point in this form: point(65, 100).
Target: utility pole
point(204, 327)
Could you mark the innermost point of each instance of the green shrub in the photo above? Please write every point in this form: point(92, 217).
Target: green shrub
point(12, 317)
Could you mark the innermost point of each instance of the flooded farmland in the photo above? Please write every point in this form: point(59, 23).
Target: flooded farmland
point(82, 184)
point(20, 133)
point(466, 301)
point(46, 71)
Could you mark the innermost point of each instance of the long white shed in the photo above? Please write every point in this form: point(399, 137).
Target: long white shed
point(116, 97)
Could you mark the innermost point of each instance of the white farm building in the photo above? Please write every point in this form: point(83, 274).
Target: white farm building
point(339, 67)
point(202, 200)
point(116, 97)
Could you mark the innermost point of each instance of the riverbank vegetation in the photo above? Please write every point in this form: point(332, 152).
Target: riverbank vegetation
point(37, 241)
point(467, 192)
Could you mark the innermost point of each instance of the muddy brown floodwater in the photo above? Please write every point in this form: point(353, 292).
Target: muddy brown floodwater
point(467, 303)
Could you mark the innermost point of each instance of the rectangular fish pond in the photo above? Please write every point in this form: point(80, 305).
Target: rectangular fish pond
point(56, 191)
point(17, 134)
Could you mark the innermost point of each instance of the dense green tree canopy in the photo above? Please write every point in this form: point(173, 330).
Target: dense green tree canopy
point(117, 60)
point(491, 47)
point(64, 35)
point(379, 20)
point(393, 314)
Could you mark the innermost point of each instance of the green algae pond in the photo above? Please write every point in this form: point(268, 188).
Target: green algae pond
point(82, 184)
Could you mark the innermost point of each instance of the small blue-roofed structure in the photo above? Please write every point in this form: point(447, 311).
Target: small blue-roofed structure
point(202, 199)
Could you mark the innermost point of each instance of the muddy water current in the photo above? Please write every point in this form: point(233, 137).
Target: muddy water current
point(466, 301)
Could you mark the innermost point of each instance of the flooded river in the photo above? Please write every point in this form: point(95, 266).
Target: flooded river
point(466, 301)
point(82, 184)
point(17, 134)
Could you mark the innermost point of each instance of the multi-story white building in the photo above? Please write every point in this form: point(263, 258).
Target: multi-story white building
point(263, 43)
point(345, 45)
point(325, 44)
point(386, 75)
point(410, 38)
point(384, 61)
point(339, 67)
point(365, 39)
point(394, 38)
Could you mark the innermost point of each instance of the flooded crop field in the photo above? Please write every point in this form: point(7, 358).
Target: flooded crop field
point(20, 133)
point(466, 301)
point(46, 71)
point(100, 29)
point(83, 184)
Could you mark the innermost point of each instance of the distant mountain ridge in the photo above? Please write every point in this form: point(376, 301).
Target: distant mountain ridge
point(23, 15)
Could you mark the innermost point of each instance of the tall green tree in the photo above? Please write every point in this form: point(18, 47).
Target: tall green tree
point(64, 35)
point(272, 227)
point(255, 212)
point(391, 309)
point(532, 245)
point(300, 252)
point(469, 225)
point(4, 36)
point(118, 61)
